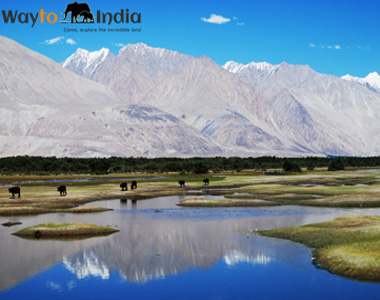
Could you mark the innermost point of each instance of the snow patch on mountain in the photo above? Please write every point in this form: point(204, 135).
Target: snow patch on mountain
point(372, 80)
point(151, 59)
point(253, 73)
point(85, 62)
point(237, 68)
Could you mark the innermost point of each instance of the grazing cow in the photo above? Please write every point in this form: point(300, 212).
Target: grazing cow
point(124, 186)
point(15, 190)
point(182, 183)
point(62, 190)
point(134, 185)
point(206, 181)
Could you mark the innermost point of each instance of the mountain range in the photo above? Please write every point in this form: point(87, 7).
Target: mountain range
point(153, 102)
point(372, 80)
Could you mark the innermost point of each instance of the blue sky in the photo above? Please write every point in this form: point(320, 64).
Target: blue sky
point(333, 37)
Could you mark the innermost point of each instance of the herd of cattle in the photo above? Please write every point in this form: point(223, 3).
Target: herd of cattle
point(124, 187)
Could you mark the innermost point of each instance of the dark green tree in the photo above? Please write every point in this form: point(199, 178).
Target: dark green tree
point(290, 166)
point(336, 165)
point(310, 165)
point(200, 168)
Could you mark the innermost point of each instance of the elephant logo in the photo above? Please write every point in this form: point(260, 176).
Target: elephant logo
point(87, 16)
point(77, 11)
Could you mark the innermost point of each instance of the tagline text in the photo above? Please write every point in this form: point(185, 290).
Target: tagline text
point(102, 29)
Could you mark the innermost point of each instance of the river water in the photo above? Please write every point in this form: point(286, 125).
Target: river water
point(179, 253)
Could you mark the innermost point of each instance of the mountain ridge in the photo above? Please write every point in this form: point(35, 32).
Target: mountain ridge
point(47, 110)
point(372, 80)
point(290, 107)
point(154, 102)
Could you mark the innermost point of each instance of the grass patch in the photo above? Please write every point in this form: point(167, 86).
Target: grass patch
point(22, 210)
point(318, 188)
point(86, 209)
point(348, 246)
point(58, 230)
point(10, 223)
point(345, 201)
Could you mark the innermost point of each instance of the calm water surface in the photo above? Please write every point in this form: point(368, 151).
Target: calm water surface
point(179, 253)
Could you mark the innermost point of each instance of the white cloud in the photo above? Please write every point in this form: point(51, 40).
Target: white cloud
point(335, 47)
point(362, 47)
point(216, 19)
point(118, 44)
point(55, 286)
point(71, 42)
point(240, 24)
point(235, 18)
point(54, 41)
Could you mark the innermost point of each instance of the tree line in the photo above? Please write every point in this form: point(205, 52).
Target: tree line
point(39, 165)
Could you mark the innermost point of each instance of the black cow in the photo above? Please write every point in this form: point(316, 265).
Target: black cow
point(124, 186)
point(134, 185)
point(15, 190)
point(182, 183)
point(87, 16)
point(206, 181)
point(62, 190)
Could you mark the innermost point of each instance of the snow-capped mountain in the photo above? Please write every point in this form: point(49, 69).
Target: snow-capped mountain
point(48, 110)
point(252, 73)
point(152, 59)
point(195, 90)
point(322, 113)
point(257, 106)
point(216, 103)
point(372, 80)
point(84, 62)
point(136, 69)
point(237, 68)
point(155, 102)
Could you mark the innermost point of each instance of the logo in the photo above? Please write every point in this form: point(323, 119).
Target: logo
point(79, 13)
point(78, 10)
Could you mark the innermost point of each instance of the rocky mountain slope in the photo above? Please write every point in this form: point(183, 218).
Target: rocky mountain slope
point(320, 112)
point(47, 110)
point(153, 102)
point(255, 108)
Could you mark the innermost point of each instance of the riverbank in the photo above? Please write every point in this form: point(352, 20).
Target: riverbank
point(347, 246)
point(247, 188)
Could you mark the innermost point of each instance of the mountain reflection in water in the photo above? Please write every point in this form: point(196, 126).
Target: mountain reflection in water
point(153, 245)
point(151, 249)
point(235, 257)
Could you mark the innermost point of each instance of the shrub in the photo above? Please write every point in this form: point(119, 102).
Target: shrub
point(291, 167)
point(336, 165)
